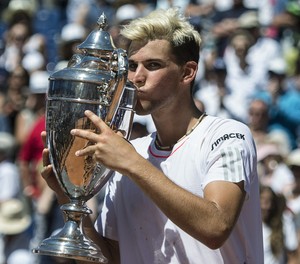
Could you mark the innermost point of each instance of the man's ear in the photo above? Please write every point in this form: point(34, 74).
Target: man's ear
point(190, 71)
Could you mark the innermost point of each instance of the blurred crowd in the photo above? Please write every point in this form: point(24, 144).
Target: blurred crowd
point(249, 70)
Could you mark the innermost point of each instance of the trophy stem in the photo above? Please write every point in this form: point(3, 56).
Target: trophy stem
point(71, 241)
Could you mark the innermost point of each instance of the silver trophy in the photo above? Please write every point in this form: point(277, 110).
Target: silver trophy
point(95, 79)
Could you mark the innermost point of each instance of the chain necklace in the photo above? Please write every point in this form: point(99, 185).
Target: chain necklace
point(159, 146)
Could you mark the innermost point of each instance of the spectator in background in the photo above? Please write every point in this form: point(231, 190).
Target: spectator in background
point(293, 161)
point(201, 13)
point(4, 121)
point(3, 79)
point(226, 23)
point(165, 4)
point(239, 82)
point(267, 12)
point(72, 34)
point(283, 103)
point(287, 25)
point(279, 231)
point(247, 59)
point(86, 12)
point(15, 39)
point(34, 106)
point(34, 61)
point(30, 123)
point(273, 171)
point(15, 222)
point(123, 15)
point(258, 120)
point(23, 46)
point(212, 88)
point(293, 86)
point(46, 213)
point(18, 17)
point(15, 96)
point(264, 49)
point(10, 181)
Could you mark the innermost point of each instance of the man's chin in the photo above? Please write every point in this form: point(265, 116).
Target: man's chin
point(140, 110)
point(141, 113)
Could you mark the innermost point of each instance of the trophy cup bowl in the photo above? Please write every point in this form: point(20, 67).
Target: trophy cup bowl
point(95, 80)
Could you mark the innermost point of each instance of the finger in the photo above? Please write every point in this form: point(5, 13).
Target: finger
point(47, 172)
point(121, 133)
point(97, 121)
point(43, 136)
point(85, 134)
point(46, 159)
point(88, 151)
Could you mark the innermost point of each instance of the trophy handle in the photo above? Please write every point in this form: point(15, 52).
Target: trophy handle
point(119, 65)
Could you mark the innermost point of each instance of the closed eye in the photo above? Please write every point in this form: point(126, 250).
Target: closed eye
point(153, 65)
point(150, 65)
point(132, 66)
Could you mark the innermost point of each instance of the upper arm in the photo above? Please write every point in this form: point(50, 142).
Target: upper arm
point(228, 197)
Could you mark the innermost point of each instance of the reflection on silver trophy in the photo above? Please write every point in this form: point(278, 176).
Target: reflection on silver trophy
point(96, 80)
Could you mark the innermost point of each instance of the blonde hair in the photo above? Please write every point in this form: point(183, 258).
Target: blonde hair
point(169, 25)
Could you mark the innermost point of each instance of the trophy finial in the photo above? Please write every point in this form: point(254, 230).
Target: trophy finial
point(102, 21)
point(98, 40)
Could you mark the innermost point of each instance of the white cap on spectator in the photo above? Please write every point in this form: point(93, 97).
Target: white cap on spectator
point(7, 143)
point(73, 32)
point(267, 150)
point(38, 82)
point(21, 256)
point(293, 158)
point(278, 66)
point(33, 61)
point(248, 19)
point(14, 217)
point(127, 12)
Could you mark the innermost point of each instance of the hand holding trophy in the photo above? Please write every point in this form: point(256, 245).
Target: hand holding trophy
point(94, 80)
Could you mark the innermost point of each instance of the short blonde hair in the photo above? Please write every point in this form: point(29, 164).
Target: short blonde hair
point(169, 25)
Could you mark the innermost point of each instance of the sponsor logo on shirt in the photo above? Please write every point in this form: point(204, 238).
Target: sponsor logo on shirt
point(225, 137)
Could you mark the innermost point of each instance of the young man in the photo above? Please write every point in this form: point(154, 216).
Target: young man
point(187, 193)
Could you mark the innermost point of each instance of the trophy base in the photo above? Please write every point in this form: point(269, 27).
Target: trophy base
point(74, 247)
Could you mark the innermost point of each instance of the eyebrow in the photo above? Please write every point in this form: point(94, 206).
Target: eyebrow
point(149, 60)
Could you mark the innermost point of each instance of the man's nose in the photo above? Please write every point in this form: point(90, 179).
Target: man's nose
point(138, 77)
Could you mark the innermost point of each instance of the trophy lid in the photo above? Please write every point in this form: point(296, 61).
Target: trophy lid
point(98, 39)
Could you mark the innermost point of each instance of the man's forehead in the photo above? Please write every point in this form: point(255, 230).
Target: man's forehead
point(149, 48)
